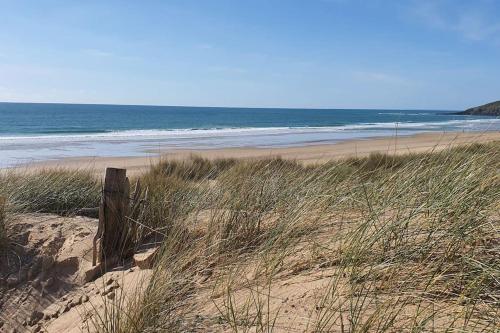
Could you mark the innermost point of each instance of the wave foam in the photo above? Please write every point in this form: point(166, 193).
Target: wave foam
point(479, 124)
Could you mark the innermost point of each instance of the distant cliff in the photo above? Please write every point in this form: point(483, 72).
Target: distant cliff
point(490, 109)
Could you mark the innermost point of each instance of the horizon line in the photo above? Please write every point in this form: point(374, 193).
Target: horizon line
point(232, 107)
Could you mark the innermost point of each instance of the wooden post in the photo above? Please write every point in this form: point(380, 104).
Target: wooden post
point(112, 240)
point(3, 201)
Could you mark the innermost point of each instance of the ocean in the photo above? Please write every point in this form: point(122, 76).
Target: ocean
point(31, 132)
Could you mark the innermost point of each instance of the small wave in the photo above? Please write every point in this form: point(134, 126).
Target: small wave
point(254, 131)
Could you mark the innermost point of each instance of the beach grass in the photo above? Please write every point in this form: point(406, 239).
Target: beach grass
point(55, 190)
point(384, 243)
point(410, 244)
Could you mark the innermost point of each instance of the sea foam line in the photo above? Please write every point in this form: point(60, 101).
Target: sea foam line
point(250, 131)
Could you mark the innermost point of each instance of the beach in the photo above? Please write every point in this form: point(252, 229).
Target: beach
point(250, 166)
point(33, 133)
point(296, 232)
point(239, 207)
point(424, 142)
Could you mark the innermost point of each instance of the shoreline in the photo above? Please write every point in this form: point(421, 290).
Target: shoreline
point(318, 153)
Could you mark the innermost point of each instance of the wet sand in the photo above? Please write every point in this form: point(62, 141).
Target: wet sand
point(307, 154)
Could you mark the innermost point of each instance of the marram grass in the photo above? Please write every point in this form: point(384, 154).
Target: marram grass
point(59, 191)
point(411, 241)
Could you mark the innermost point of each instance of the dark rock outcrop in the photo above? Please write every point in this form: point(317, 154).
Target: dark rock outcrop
point(490, 109)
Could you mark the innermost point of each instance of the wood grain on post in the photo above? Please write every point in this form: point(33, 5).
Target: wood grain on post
point(114, 234)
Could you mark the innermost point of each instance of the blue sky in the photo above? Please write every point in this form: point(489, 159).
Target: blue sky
point(256, 53)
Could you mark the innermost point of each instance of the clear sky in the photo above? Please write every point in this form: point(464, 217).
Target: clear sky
point(256, 53)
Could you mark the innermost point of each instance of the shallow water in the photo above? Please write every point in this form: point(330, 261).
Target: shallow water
point(34, 132)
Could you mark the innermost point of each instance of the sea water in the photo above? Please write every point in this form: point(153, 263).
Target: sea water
point(34, 132)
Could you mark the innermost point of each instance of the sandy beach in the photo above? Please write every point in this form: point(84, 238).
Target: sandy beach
point(306, 154)
point(245, 166)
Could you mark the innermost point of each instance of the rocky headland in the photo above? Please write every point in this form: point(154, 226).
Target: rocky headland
point(490, 109)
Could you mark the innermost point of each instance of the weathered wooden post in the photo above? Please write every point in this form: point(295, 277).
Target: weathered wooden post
point(3, 202)
point(113, 239)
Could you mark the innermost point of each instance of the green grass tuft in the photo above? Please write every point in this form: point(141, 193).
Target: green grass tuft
point(57, 191)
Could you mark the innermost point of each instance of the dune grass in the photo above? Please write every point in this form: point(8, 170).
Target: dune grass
point(410, 242)
point(59, 191)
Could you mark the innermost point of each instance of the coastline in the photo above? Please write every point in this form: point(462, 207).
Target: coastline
point(139, 133)
point(318, 153)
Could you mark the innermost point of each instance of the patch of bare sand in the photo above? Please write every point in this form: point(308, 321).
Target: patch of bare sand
point(43, 284)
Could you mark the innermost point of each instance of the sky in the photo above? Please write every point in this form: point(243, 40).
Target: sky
point(405, 54)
